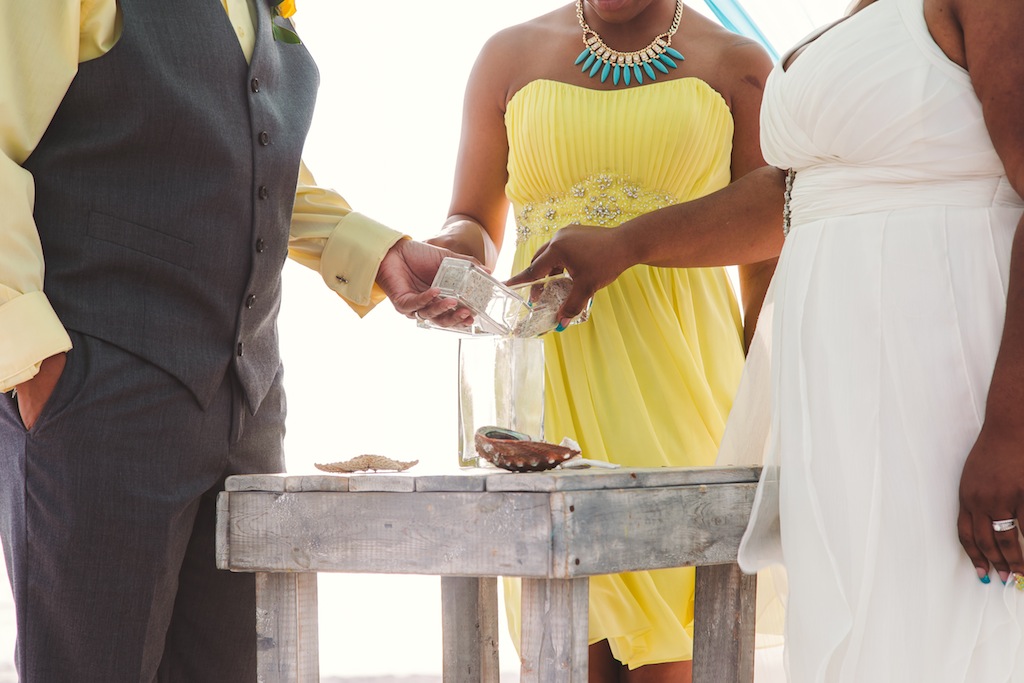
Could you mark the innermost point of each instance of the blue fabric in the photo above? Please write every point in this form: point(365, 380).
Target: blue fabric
point(735, 18)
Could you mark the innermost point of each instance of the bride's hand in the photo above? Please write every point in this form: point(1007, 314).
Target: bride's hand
point(992, 490)
point(592, 256)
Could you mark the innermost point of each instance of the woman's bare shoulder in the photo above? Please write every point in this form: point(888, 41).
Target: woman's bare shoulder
point(527, 51)
point(513, 40)
point(733, 64)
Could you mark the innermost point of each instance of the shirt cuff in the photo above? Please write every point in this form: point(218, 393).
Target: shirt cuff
point(39, 335)
point(352, 256)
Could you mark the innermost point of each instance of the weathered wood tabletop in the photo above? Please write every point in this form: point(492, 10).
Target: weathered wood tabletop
point(553, 529)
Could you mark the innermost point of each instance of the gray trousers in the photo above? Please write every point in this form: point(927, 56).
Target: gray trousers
point(107, 511)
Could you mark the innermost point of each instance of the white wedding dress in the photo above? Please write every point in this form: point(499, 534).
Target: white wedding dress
point(874, 354)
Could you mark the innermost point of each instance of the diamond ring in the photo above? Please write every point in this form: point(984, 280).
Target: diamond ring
point(1004, 524)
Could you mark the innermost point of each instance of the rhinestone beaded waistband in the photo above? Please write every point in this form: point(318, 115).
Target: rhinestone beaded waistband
point(603, 199)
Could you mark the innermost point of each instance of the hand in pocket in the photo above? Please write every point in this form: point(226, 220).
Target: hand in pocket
point(33, 394)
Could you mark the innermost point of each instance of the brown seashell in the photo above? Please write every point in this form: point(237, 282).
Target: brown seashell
point(517, 452)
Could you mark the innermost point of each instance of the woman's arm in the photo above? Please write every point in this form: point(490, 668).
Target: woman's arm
point(739, 224)
point(984, 36)
point(747, 67)
point(477, 215)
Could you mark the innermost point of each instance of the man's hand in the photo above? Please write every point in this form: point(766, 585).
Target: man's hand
point(592, 256)
point(34, 393)
point(406, 275)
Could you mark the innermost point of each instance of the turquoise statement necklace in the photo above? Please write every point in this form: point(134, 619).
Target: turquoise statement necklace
point(597, 57)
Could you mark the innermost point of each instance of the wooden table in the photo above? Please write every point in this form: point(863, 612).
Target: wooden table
point(553, 529)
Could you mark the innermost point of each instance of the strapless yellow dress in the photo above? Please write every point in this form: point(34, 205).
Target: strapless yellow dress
point(649, 380)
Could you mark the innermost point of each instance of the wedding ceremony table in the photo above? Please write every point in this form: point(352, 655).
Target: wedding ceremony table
point(553, 529)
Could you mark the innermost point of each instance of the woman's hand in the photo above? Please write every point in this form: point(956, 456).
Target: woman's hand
point(992, 490)
point(593, 257)
point(34, 394)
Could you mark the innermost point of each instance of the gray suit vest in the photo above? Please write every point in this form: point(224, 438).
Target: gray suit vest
point(164, 190)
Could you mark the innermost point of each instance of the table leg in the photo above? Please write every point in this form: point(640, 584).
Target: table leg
point(469, 624)
point(554, 634)
point(287, 648)
point(724, 612)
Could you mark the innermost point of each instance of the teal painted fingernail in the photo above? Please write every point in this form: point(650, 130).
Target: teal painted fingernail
point(985, 579)
point(560, 328)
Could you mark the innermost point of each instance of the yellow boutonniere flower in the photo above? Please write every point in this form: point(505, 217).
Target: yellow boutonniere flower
point(285, 9)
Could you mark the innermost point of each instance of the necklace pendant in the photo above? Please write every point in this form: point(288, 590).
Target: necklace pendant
point(607, 65)
point(625, 67)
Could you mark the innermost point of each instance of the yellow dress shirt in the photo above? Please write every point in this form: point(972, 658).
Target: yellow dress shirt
point(41, 46)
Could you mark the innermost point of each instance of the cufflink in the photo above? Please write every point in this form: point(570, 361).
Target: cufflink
point(342, 279)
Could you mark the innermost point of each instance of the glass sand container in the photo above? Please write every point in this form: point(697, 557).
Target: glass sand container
point(544, 297)
point(501, 355)
point(501, 383)
point(496, 308)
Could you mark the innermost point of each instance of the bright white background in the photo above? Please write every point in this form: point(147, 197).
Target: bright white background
point(385, 135)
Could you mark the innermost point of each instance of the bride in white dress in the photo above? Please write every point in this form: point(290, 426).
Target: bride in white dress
point(883, 389)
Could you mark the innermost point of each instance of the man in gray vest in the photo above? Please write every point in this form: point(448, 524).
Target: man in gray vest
point(152, 167)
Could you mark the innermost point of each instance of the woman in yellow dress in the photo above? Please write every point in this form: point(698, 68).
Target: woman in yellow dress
point(660, 107)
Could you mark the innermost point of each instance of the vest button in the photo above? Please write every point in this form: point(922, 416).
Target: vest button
point(264, 138)
point(264, 192)
point(241, 349)
point(250, 301)
point(255, 84)
point(260, 245)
